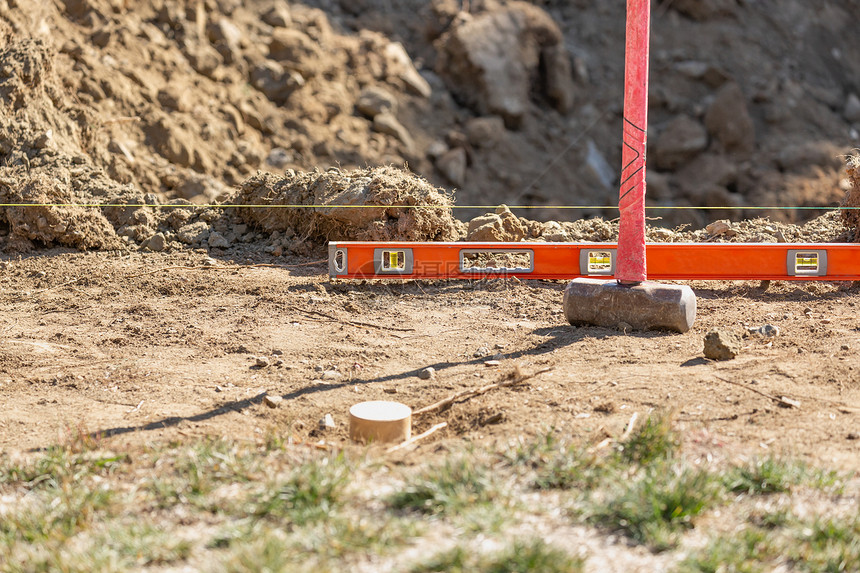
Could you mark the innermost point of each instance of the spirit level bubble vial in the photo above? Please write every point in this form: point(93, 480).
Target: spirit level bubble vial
point(807, 263)
point(597, 262)
point(393, 261)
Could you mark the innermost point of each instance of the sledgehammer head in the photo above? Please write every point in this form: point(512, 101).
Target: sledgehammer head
point(646, 306)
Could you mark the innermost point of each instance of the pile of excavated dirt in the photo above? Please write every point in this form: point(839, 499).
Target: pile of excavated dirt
point(749, 105)
point(503, 101)
point(381, 204)
point(54, 222)
point(851, 217)
point(502, 225)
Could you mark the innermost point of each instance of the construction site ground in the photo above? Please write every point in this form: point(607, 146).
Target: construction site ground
point(143, 347)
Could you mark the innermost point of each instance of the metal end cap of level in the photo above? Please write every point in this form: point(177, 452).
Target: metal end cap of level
point(646, 306)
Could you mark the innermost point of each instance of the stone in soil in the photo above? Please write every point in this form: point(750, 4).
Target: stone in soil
point(766, 331)
point(156, 243)
point(327, 422)
point(272, 401)
point(722, 345)
point(427, 373)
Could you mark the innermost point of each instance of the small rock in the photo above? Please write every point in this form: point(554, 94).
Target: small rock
point(722, 345)
point(327, 423)
point(272, 401)
point(204, 59)
point(194, 233)
point(452, 164)
point(845, 347)
point(277, 352)
point(219, 389)
point(766, 331)
point(499, 226)
point(427, 373)
point(491, 363)
point(388, 124)
point(261, 361)
point(552, 231)
point(374, 100)
point(853, 436)
point(718, 228)
point(496, 418)
point(156, 243)
point(331, 375)
point(175, 98)
point(852, 108)
point(662, 233)
point(227, 38)
point(279, 157)
point(401, 65)
point(218, 241)
point(278, 16)
point(44, 140)
point(436, 149)
point(276, 82)
point(625, 327)
point(481, 352)
point(390, 390)
point(485, 131)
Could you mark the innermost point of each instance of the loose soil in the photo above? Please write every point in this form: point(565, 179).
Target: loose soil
point(218, 141)
point(157, 331)
point(142, 347)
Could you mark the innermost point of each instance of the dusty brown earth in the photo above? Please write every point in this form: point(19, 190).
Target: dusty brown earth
point(109, 103)
point(146, 347)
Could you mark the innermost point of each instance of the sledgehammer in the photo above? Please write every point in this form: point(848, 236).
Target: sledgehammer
point(630, 298)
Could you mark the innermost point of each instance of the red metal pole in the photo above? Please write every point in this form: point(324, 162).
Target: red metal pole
point(631, 266)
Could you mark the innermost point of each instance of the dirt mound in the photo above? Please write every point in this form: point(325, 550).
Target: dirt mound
point(502, 225)
point(382, 204)
point(747, 108)
point(851, 217)
point(52, 223)
point(510, 102)
point(41, 142)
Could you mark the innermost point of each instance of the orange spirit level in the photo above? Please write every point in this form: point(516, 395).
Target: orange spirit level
point(666, 261)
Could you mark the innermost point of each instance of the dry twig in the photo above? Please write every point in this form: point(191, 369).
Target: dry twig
point(782, 401)
point(630, 425)
point(513, 378)
point(349, 322)
point(414, 439)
